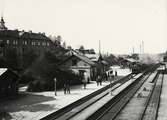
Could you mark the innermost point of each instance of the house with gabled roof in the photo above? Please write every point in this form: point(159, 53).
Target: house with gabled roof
point(80, 64)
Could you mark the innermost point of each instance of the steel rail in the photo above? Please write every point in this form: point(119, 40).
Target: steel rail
point(79, 102)
point(120, 100)
point(152, 103)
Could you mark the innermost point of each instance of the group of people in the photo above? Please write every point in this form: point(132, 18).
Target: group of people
point(101, 77)
point(67, 83)
point(106, 76)
point(67, 87)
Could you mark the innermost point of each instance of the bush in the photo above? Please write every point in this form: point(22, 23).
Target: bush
point(26, 78)
point(62, 76)
point(47, 84)
point(39, 86)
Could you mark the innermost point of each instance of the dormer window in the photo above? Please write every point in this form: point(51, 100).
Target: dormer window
point(7, 41)
point(15, 42)
point(32, 43)
point(44, 44)
point(25, 42)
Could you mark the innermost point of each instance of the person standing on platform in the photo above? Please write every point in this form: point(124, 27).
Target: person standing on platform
point(111, 76)
point(65, 86)
point(85, 80)
point(116, 74)
point(68, 87)
point(106, 76)
point(55, 80)
point(99, 80)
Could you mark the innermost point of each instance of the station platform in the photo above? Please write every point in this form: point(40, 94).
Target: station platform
point(162, 112)
point(35, 105)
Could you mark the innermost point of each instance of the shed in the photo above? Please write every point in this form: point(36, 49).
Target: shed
point(8, 82)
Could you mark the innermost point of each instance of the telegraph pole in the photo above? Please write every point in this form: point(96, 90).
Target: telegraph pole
point(99, 48)
point(142, 46)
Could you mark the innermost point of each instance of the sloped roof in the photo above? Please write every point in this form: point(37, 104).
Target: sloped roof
point(93, 57)
point(22, 34)
point(72, 52)
point(81, 57)
point(6, 74)
point(85, 59)
point(131, 60)
point(3, 70)
point(104, 62)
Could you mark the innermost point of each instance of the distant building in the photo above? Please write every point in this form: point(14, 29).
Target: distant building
point(86, 51)
point(2, 24)
point(22, 41)
point(165, 57)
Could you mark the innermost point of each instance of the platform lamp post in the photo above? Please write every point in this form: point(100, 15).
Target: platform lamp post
point(55, 81)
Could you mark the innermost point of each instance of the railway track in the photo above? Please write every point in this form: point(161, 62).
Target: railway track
point(112, 108)
point(152, 104)
point(147, 103)
point(95, 96)
point(104, 104)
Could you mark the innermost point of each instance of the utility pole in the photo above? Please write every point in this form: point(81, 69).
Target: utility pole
point(99, 48)
point(133, 50)
point(142, 46)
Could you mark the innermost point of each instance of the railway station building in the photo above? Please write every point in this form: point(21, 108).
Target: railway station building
point(80, 64)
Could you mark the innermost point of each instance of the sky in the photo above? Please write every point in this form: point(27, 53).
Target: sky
point(120, 25)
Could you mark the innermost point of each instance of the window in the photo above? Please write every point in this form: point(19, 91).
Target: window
point(25, 42)
point(15, 42)
point(44, 44)
point(7, 41)
point(32, 43)
point(38, 43)
point(47, 44)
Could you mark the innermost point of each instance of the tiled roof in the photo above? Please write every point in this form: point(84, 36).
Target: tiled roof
point(104, 62)
point(85, 59)
point(131, 60)
point(22, 34)
point(92, 57)
point(82, 57)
